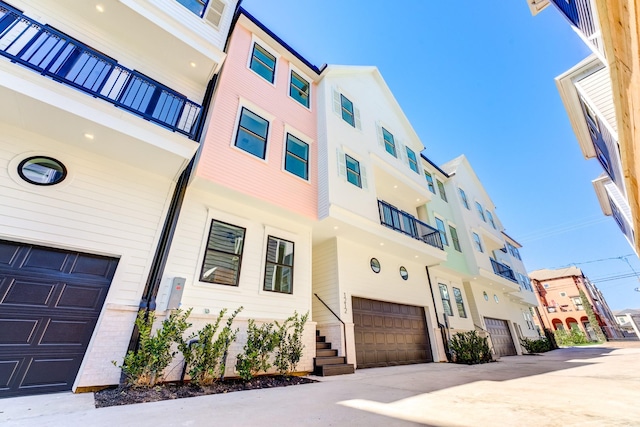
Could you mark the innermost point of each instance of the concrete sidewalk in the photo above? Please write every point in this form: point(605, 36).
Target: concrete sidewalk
point(583, 386)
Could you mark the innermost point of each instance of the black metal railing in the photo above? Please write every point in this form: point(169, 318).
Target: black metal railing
point(503, 270)
point(60, 57)
point(405, 223)
point(344, 326)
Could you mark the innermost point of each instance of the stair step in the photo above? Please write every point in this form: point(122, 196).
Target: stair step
point(320, 345)
point(329, 360)
point(326, 352)
point(337, 369)
point(320, 339)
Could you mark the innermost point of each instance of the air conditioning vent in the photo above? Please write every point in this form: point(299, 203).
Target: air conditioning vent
point(215, 11)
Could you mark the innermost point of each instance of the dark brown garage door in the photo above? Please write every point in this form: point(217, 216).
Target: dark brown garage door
point(49, 304)
point(500, 337)
point(388, 334)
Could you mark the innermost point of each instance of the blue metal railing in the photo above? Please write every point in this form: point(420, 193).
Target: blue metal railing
point(580, 14)
point(405, 223)
point(56, 55)
point(503, 270)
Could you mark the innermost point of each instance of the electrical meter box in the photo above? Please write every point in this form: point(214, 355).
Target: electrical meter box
point(175, 295)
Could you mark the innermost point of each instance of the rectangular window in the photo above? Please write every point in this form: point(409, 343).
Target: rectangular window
point(223, 255)
point(252, 133)
point(442, 230)
point(477, 242)
point(195, 6)
point(278, 272)
point(413, 161)
point(347, 110)
point(446, 301)
point(443, 194)
point(429, 179)
point(577, 301)
point(480, 211)
point(459, 302)
point(490, 218)
point(263, 63)
point(455, 239)
point(463, 196)
point(299, 89)
point(389, 142)
point(353, 171)
point(296, 159)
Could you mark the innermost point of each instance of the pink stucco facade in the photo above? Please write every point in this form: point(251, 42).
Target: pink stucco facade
point(226, 165)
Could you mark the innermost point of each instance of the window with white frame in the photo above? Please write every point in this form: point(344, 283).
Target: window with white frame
point(348, 113)
point(429, 179)
point(299, 89)
point(353, 171)
point(441, 190)
point(223, 254)
point(252, 133)
point(480, 211)
point(457, 294)
point(263, 63)
point(443, 231)
point(446, 300)
point(195, 6)
point(296, 158)
point(463, 197)
point(278, 274)
point(389, 142)
point(413, 160)
point(477, 242)
point(454, 238)
point(490, 218)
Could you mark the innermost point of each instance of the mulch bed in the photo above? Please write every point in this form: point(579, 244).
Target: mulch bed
point(167, 391)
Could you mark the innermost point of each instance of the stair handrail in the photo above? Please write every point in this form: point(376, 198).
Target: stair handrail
point(344, 326)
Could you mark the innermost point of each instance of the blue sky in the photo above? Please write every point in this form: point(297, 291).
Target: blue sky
point(479, 80)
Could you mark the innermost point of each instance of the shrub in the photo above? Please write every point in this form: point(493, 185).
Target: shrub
point(261, 341)
point(470, 348)
point(540, 345)
point(289, 346)
point(144, 367)
point(206, 358)
point(571, 337)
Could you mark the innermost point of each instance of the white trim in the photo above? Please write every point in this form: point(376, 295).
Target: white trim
point(255, 39)
point(12, 171)
point(270, 118)
point(288, 129)
point(302, 74)
point(278, 233)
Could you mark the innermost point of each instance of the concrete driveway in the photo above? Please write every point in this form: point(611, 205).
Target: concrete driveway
point(583, 386)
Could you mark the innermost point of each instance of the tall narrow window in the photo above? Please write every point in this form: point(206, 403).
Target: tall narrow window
point(296, 159)
point(353, 171)
point(429, 179)
point(477, 242)
point(480, 211)
point(446, 300)
point(490, 218)
point(443, 193)
point(413, 160)
point(299, 89)
point(347, 110)
point(389, 142)
point(252, 133)
point(459, 302)
point(223, 255)
point(263, 63)
point(455, 239)
point(442, 230)
point(463, 196)
point(278, 274)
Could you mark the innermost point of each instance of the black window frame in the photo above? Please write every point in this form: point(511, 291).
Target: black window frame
point(277, 264)
point(351, 113)
point(442, 231)
point(430, 184)
point(441, 190)
point(250, 132)
point(389, 142)
point(269, 55)
point(480, 210)
point(463, 196)
point(413, 160)
point(208, 249)
point(455, 239)
point(462, 312)
point(357, 173)
point(288, 154)
point(293, 87)
point(448, 309)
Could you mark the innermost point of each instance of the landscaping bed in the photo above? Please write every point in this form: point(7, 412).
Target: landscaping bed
point(167, 391)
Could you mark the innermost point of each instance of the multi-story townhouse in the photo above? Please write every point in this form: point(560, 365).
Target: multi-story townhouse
point(372, 294)
point(603, 104)
point(498, 294)
point(561, 306)
point(244, 233)
point(100, 114)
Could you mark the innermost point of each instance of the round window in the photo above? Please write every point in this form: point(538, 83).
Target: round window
point(486, 297)
point(375, 265)
point(495, 297)
point(403, 273)
point(41, 170)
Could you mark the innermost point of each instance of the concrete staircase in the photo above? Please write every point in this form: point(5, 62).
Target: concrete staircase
point(327, 362)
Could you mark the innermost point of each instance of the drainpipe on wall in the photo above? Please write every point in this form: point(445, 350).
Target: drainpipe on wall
point(148, 301)
point(443, 328)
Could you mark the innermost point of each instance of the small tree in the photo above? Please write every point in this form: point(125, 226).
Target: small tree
point(593, 320)
point(261, 340)
point(289, 346)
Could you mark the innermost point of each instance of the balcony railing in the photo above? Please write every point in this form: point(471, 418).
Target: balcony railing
point(582, 15)
point(60, 57)
point(503, 270)
point(405, 223)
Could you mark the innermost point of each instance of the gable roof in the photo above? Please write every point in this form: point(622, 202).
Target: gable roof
point(546, 274)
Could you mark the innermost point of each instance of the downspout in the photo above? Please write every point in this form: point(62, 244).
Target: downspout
point(443, 328)
point(150, 292)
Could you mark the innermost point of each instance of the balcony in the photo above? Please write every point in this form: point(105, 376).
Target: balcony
point(503, 270)
point(65, 60)
point(409, 225)
point(581, 14)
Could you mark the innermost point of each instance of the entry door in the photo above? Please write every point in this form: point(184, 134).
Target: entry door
point(50, 301)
